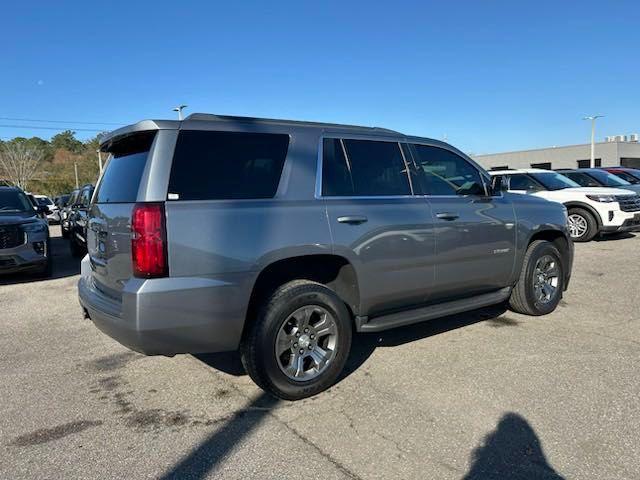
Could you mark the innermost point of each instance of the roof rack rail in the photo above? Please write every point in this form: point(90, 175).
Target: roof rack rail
point(214, 117)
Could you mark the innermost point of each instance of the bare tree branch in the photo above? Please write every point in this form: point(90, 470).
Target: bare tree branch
point(19, 162)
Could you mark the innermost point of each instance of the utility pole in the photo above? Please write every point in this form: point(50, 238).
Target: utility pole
point(179, 109)
point(75, 169)
point(592, 163)
point(99, 161)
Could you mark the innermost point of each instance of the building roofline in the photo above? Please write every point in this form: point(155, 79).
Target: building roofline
point(552, 148)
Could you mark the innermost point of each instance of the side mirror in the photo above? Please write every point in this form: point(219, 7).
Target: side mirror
point(471, 188)
point(496, 186)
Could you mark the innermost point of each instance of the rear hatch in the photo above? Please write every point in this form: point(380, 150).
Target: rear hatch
point(109, 225)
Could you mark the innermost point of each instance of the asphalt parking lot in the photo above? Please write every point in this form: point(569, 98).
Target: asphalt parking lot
point(487, 394)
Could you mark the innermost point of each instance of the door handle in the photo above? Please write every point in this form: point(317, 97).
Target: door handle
point(352, 219)
point(447, 216)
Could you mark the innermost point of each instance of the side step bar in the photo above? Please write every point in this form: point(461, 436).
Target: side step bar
point(399, 319)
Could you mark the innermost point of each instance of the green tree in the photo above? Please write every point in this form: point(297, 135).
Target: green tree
point(66, 140)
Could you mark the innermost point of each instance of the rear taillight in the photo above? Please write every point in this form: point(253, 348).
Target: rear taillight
point(149, 241)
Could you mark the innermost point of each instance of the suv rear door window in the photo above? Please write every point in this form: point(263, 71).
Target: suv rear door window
point(226, 165)
point(370, 168)
point(121, 179)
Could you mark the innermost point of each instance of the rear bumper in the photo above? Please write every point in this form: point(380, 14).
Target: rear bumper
point(168, 316)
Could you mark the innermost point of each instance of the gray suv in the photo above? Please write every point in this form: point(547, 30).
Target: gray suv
point(282, 238)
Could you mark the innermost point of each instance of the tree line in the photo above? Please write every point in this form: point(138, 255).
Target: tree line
point(47, 166)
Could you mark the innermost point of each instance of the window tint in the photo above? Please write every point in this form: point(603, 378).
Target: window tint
point(226, 165)
point(445, 173)
point(336, 177)
point(121, 179)
point(522, 182)
point(369, 169)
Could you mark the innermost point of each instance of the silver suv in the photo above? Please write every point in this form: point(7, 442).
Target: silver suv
point(282, 238)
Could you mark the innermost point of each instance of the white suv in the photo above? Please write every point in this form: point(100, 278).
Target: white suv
point(591, 210)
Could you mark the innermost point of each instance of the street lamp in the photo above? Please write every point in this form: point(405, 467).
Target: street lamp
point(179, 110)
point(593, 138)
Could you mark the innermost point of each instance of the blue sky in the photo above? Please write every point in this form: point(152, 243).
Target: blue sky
point(490, 75)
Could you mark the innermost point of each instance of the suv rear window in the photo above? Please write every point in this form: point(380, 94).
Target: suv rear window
point(226, 165)
point(121, 179)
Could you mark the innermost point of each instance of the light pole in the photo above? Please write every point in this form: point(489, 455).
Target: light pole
point(75, 169)
point(592, 164)
point(179, 110)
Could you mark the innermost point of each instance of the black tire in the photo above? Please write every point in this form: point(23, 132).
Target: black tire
point(258, 347)
point(592, 224)
point(523, 298)
point(65, 233)
point(77, 251)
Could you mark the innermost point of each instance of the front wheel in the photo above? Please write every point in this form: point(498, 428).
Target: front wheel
point(539, 288)
point(582, 225)
point(299, 342)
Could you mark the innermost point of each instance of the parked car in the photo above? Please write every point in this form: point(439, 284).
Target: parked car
point(24, 236)
point(591, 210)
point(60, 201)
point(282, 238)
point(77, 222)
point(66, 210)
point(50, 209)
point(631, 175)
point(596, 177)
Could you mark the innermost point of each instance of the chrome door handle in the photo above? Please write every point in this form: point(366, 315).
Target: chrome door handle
point(352, 219)
point(447, 216)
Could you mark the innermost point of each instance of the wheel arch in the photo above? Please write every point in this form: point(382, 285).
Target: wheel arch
point(588, 208)
point(333, 271)
point(564, 245)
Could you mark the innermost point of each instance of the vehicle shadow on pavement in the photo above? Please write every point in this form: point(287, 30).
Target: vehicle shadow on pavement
point(218, 445)
point(364, 344)
point(64, 265)
point(614, 236)
point(512, 450)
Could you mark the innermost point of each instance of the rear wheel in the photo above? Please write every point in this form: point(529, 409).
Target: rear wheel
point(539, 288)
point(582, 225)
point(299, 342)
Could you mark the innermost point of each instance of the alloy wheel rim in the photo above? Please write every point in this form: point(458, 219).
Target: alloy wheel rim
point(577, 225)
point(306, 343)
point(546, 279)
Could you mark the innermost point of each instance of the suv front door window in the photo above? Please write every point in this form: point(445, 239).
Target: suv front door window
point(475, 235)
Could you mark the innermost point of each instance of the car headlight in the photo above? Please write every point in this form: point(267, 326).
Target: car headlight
point(35, 227)
point(602, 198)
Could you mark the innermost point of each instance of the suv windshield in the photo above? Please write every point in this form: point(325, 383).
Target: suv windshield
point(628, 177)
point(554, 181)
point(607, 179)
point(44, 201)
point(12, 201)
